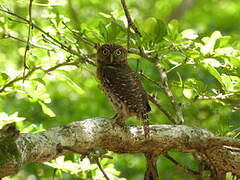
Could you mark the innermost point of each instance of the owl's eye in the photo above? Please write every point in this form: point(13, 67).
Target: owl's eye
point(105, 52)
point(118, 52)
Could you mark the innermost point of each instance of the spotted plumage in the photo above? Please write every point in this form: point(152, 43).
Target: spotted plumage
point(121, 84)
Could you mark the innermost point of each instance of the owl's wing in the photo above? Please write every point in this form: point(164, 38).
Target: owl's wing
point(125, 85)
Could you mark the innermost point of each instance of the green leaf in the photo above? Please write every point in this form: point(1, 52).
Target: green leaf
point(235, 61)
point(36, 90)
point(3, 78)
point(212, 62)
point(226, 80)
point(223, 41)
point(155, 28)
point(189, 34)
point(40, 81)
point(103, 31)
point(71, 83)
point(47, 110)
point(196, 85)
point(228, 51)
point(75, 87)
point(173, 27)
point(189, 93)
point(210, 43)
point(113, 30)
point(214, 73)
point(58, 18)
point(105, 15)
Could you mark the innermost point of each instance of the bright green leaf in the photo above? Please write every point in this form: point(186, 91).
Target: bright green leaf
point(214, 73)
point(226, 80)
point(173, 27)
point(225, 51)
point(103, 31)
point(235, 61)
point(105, 15)
point(212, 62)
point(3, 78)
point(210, 43)
point(223, 41)
point(47, 110)
point(40, 80)
point(188, 93)
point(113, 30)
point(73, 85)
point(155, 28)
point(189, 34)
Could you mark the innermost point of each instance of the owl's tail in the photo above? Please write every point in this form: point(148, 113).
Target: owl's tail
point(151, 172)
point(145, 121)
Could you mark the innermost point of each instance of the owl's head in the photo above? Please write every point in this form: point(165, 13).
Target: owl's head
point(111, 54)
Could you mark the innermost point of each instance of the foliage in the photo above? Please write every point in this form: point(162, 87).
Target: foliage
point(199, 53)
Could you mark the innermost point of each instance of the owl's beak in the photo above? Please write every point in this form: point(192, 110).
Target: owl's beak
point(111, 58)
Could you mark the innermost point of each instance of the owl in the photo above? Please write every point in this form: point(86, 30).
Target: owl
point(121, 84)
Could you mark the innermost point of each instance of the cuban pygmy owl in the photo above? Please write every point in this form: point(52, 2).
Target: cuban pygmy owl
point(122, 85)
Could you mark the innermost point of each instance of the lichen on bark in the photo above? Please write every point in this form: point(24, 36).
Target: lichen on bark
point(8, 151)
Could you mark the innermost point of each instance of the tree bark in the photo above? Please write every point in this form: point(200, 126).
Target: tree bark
point(151, 172)
point(81, 136)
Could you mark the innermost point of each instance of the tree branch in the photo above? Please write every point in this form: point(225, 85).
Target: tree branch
point(46, 34)
point(130, 23)
point(30, 72)
point(168, 92)
point(129, 19)
point(182, 167)
point(83, 136)
point(28, 38)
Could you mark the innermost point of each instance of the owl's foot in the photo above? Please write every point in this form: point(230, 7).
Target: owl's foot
point(146, 131)
point(119, 120)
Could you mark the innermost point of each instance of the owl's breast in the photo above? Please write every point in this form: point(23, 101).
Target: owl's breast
point(124, 89)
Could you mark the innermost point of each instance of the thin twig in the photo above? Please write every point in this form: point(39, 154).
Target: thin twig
point(129, 19)
point(174, 67)
point(161, 108)
point(59, 44)
point(17, 21)
point(142, 54)
point(184, 168)
point(130, 23)
point(151, 80)
point(168, 92)
point(77, 35)
point(164, 79)
point(154, 101)
point(54, 173)
point(31, 43)
point(77, 27)
point(28, 38)
point(101, 169)
point(128, 37)
point(217, 97)
point(29, 73)
point(90, 154)
point(16, 79)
